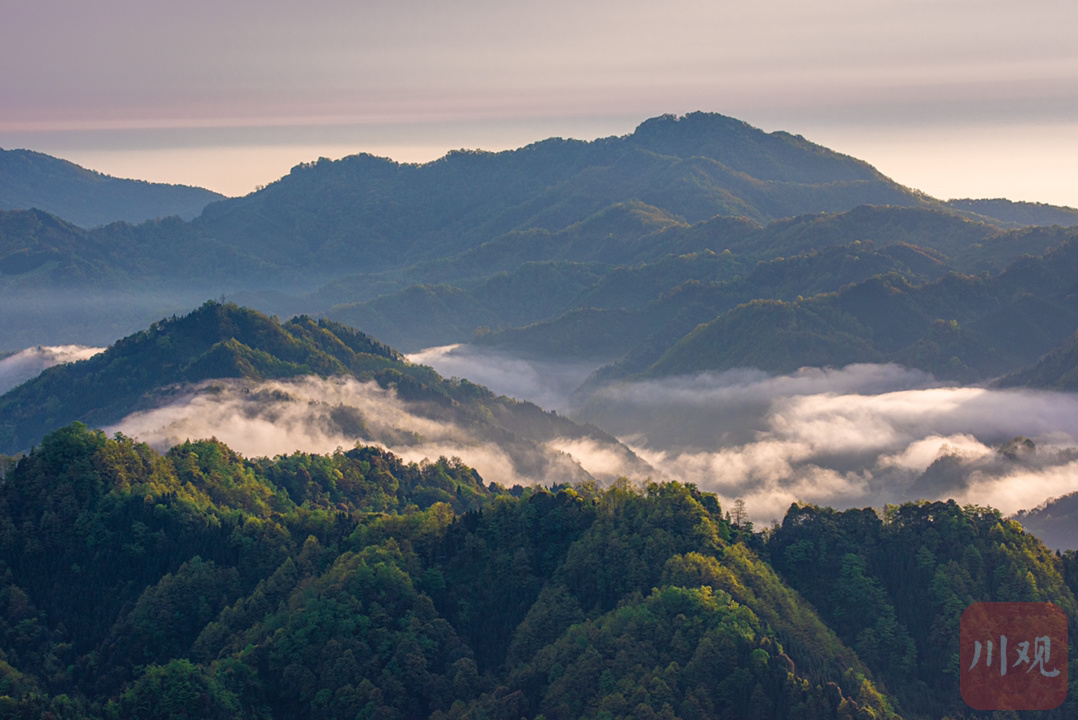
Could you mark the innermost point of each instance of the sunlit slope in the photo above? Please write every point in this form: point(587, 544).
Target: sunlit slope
point(348, 584)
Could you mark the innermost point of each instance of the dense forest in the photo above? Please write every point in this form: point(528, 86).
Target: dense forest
point(199, 583)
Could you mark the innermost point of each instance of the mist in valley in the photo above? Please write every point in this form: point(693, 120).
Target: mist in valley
point(323, 415)
point(864, 435)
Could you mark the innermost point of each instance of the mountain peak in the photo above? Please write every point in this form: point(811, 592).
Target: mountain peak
point(776, 156)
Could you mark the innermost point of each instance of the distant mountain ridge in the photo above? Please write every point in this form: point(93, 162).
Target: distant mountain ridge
point(1018, 213)
point(87, 198)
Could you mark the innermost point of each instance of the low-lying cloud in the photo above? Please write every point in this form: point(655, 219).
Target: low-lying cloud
point(863, 435)
point(27, 364)
point(322, 415)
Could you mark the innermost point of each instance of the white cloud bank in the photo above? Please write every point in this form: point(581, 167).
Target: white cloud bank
point(321, 415)
point(863, 435)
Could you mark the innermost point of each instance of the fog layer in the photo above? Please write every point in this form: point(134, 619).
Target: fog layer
point(863, 435)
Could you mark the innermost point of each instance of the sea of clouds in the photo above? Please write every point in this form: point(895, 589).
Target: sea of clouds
point(863, 435)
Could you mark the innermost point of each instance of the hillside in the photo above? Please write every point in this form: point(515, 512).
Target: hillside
point(1057, 370)
point(542, 278)
point(368, 214)
point(225, 354)
point(201, 582)
point(86, 198)
point(959, 327)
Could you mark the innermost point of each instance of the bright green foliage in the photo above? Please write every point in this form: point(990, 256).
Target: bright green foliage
point(176, 691)
point(204, 584)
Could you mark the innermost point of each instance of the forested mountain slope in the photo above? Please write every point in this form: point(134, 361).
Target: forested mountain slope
point(370, 213)
point(417, 253)
point(960, 327)
point(199, 582)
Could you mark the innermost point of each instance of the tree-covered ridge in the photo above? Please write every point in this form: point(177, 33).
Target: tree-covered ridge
point(960, 327)
point(228, 352)
point(606, 265)
point(1018, 213)
point(1057, 370)
point(200, 583)
point(369, 212)
point(215, 341)
point(894, 587)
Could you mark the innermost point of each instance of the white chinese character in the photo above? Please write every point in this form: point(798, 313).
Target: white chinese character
point(1042, 653)
point(1023, 655)
point(1002, 654)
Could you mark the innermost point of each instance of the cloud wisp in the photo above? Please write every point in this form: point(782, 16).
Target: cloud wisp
point(545, 382)
point(27, 364)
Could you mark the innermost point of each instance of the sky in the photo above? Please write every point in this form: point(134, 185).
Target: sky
point(957, 98)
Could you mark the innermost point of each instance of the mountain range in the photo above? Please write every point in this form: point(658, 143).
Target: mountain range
point(224, 354)
point(428, 254)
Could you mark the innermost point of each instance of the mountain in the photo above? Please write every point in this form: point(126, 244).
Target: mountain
point(223, 357)
point(31, 179)
point(370, 214)
point(959, 327)
point(657, 231)
point(562, 278)
point(829, 306)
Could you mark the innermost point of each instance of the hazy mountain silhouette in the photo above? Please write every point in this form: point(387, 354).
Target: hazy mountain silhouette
point(87, 198)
